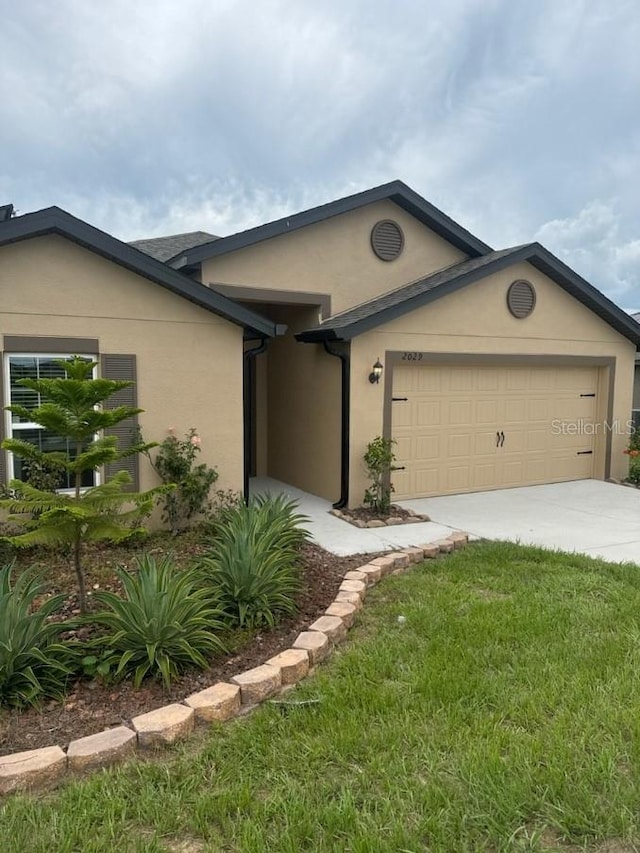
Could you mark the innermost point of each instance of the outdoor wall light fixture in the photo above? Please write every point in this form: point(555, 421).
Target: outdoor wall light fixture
point(376, 373)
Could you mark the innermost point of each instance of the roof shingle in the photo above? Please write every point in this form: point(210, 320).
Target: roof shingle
point(410, 296)
point(164, 248)
point(415, 288)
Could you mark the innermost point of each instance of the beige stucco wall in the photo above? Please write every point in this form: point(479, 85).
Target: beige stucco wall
point(335, 257)
point(303, 412)
point(189, 361)
point(476, 320)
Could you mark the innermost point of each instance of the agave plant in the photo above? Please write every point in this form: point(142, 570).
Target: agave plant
point(253, 563)
point(164, 623)
point(33, 662)
point(279, 513)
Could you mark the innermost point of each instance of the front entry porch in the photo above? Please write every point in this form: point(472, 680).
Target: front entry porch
point(293, 407)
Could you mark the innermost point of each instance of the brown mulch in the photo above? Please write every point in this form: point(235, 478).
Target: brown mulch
point(364, 513)
point(360, 516)
point(91, 706)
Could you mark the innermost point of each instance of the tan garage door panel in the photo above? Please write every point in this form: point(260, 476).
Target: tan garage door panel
point(449, 429)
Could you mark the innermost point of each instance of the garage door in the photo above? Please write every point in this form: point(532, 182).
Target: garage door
point(465, 429)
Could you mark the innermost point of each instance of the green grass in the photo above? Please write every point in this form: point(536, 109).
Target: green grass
point(503, 715)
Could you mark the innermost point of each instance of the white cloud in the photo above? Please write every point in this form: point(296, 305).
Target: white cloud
point(160, 117)
point(593, 244)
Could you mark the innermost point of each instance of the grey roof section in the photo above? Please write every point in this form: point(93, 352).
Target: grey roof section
point(164, 248)
point(401, 295)
point(395, 303)
point(395, 191)
point(53, 220)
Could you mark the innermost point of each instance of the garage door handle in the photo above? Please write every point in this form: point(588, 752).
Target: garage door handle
point(587, 395)
point(398, 467)
point(399, 399)
point(499, 439)
point(584, 452)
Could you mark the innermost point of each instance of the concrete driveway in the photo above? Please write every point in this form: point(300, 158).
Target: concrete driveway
point(587, 516)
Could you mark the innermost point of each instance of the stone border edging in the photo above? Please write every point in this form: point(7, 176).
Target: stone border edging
point(413, 517)
point(37, 769)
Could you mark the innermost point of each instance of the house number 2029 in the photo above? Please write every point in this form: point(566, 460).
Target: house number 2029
point(411, 356)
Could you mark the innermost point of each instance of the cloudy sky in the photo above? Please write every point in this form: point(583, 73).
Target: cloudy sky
point(520, 119)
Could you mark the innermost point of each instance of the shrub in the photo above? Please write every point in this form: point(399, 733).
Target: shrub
point(175, 463)
point(379, 459)
point(253, 563)
point(7, 530)
point(223, 500)
point(633, 451)
point(33, 663)
point(163, 625)
point(43, 473)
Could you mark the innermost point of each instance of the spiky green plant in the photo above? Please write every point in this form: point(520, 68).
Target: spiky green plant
point(164, 624)
point(253, 562)
point(279, 513)
point(33, 663)
point(72, 408)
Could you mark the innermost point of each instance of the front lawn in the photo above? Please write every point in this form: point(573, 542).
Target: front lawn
point(503, 713)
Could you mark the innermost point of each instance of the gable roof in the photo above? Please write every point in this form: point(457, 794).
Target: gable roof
point(164, 248)
point(395, 191)
point(395, 303)
point(53, 220)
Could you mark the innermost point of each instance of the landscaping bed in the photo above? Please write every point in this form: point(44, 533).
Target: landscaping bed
point(364, 516)
point(91, 706)
point(93, 634)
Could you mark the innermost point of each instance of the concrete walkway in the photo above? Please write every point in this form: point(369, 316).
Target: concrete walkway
point(340, 537)
point(587, 516)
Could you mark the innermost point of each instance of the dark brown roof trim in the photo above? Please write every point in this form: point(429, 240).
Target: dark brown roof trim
point(389, 306)
point(395, 191)
point(54, 220)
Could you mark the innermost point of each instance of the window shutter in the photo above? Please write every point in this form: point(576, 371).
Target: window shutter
point(123, 367)
point(3, 453)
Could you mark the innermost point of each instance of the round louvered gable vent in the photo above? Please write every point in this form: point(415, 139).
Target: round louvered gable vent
point(387, 239)
point(521, 298)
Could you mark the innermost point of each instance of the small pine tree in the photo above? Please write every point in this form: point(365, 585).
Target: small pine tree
point(71, 408)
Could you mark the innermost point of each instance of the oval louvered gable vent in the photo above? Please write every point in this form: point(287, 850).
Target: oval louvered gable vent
point(521, 299)
point(387, 239)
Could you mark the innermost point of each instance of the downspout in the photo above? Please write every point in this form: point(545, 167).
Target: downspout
point(345, 415)
point(246, 410)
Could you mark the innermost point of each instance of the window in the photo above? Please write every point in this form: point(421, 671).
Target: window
point(34, 367)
